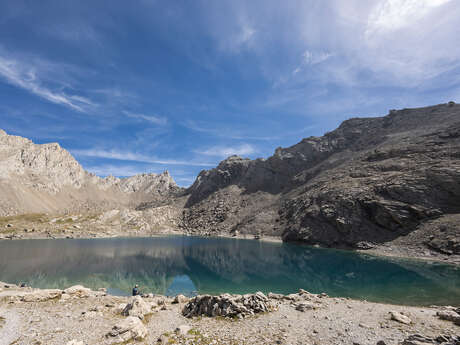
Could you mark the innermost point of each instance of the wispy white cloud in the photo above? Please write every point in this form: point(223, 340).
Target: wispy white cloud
point(29, 78)
point(390, 15)
point(311, 58)
point(135, 157)
point(231, 25)
point(155, 119)
point(412, 46)
point(119, 170)
point(224, 132)
point(225, 151)
point(242, 37)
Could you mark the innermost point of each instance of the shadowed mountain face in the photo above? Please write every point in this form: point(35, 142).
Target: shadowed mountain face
point(184, 264)
point(371, 179)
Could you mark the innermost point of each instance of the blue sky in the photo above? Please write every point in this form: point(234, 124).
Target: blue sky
point(144, 86)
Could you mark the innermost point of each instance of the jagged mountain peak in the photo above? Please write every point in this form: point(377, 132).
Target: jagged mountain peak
point(28, 170)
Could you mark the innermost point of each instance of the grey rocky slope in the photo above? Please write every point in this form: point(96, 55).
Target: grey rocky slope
point(46, 178)
point(370, 181)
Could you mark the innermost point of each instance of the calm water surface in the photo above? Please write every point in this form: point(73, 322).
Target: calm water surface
point(190, 265)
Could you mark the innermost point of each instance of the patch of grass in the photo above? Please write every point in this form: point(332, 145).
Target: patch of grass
point(147, 318)
point(65, 221)
point(30, 217)
point(90, 217)
point(8, 230)
point(194, 331)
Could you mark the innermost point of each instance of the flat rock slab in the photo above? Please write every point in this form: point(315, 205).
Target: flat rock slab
point(397, 316)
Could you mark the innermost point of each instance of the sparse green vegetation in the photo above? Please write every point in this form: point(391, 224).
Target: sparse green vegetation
point(68, 220)
point(194, 331)
point(90, 217)
point(30, 218)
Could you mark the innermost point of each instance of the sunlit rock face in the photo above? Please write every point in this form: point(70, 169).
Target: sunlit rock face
point(46, 178)
point(370, 180)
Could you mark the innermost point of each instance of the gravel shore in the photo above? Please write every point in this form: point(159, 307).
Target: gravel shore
point(81, 316)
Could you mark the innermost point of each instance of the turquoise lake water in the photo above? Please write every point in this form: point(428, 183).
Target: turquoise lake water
point(191, 265)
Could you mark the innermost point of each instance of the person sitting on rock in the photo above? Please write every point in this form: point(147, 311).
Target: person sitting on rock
point(136, 290)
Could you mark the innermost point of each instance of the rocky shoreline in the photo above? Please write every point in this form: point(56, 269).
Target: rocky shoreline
point(80, 316)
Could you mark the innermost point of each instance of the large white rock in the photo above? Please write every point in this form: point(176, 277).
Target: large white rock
point(180, 299)
point(137, 307)
point(127, 329)
point(78, 290)
point(450, 315)
point(397, 316)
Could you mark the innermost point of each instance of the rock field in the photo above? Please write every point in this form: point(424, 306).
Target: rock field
point(77, 316)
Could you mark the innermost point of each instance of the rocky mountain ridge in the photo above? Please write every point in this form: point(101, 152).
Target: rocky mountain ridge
point(50, 177)
point(370, 181)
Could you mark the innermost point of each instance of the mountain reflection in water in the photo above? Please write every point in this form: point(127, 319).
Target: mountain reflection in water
point(179, 264)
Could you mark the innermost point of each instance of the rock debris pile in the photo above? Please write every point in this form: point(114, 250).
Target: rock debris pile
point(450, 314)
point(227, 305)
point(417, 339)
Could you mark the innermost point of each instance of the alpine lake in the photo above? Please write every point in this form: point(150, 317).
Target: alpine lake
point(186, 265)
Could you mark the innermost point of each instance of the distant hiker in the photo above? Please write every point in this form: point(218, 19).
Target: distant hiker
point(136, 290)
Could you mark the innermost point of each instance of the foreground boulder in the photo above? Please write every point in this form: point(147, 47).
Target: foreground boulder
point(228, 305)
point(397, 316)
point(180, 299)
point(78, 291)
point(417, 339)
point(137, 307)
point(450, 315)
point(126, 330)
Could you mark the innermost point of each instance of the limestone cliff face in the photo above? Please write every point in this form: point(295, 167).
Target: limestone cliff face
point(43, 167)
point(46, 178)
point(372, 180)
